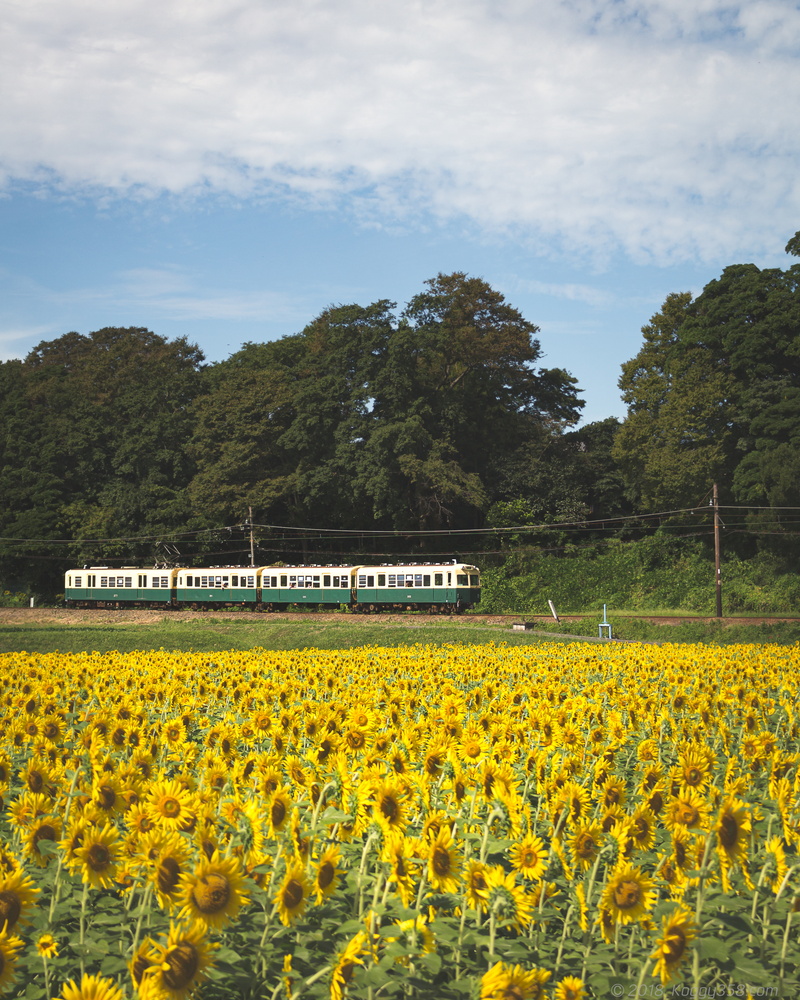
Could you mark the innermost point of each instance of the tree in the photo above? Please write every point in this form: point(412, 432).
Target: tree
point(714, 394)
point(95, 440)
point(676, 438)
point(458, 389)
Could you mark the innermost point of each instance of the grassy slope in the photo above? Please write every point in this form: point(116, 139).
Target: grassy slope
point(209, 635)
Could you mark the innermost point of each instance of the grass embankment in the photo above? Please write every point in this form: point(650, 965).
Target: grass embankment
point(212, 634)
point(215, 634)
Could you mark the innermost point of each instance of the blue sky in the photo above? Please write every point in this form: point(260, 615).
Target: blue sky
point(226, 169)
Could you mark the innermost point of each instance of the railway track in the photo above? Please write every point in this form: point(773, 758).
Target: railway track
point(30, 616)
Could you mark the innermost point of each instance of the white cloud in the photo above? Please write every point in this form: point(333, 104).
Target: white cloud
point(571, 291)
point(665, 128)
point(16, 341)
point(176, 294)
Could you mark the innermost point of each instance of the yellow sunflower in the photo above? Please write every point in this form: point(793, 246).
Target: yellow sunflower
point(279, 808)
point(166, 861)
point(98, 856)
point(512, 982)
point(508, 901)
point(642, 828)
point(689, 810)
point(17, 896)
point(214, 893)
point(529, 857)
point(398, 851)
point(776, 866)
point(47, 946)
point(672, 947)
point(693, 769)
point(570, 988)
point(44, 832)
point(326, 875)
point(10, 945)
point(585, 844)
point(444, 862)
point(389, 807)
point(414, 934)
point(292, 895)
point(628, 894)
point(180, 965)
point(347, 961)
point(144, 958)
point(170, 804)
point(91, 988)
point(732, 827)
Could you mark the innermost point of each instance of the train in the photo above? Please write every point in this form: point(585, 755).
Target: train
point(438, 588)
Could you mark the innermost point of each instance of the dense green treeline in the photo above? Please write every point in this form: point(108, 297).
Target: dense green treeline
point(120, 446)
point(656, 573)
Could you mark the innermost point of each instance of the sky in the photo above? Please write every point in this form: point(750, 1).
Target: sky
point(224, 170)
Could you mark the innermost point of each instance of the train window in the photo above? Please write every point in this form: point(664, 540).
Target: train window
point(274, 581)
point(284, 581)
point(316, 581)
point(461, 580)
point(103, 581)
point(438, 579)
point(203, 581)
point(362, 581)
point(251, 581)
point(370, 581)
point(234, 581)
point(156, 581)
point(78, 581)
point(427, 580)
point(409, 580)
point(381, 579)
point(392, 579)
point(449, 579)
point(418, 579)
point(128, 581)
point(326, 580)
point(474, 580)
point(293, 581)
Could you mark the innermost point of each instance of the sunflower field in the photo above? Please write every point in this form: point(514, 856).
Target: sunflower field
point(483, 822)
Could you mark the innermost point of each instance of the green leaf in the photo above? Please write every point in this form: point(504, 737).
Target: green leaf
point(432, 961)
point(711, 947)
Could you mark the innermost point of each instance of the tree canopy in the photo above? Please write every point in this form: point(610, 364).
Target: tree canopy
point(368, 418)
point(714, 394)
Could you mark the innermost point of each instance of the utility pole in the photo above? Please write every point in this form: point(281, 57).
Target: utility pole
point(717, 570)
point(252, 541)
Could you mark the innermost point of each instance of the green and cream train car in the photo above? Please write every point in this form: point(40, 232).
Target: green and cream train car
point(217, 586)
point(118, 587)
point(438, 588)
point(328, 586)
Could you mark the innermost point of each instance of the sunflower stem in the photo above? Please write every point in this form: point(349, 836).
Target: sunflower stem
point(82, 933)
point(563, 938)
point(643, 972)
point(143, 905)
point(782, 967)
point(492, 928)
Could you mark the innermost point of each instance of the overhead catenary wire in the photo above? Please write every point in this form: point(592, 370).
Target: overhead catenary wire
point(310, 532)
